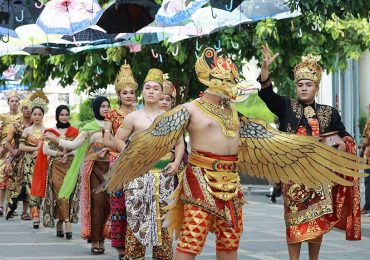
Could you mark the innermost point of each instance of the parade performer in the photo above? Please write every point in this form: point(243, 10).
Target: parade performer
point(16, 189)
point(311, 212)
point(49, 175)
point(95, 159)
point(30, 143)
point(223, 143)
point(6, 122)
point(147, 196)
point(168, 99)
point(126, 87)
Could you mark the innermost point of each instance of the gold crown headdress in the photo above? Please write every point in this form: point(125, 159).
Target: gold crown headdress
point(168, 87)
point(309, 68)
point(155, 75)
point(13, 93)
point(219, 74)
point(125, 78)
point(39, 99)
point(26, 102)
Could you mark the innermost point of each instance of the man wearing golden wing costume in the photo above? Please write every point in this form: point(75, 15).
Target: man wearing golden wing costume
point(208, 197)
point(312, 212)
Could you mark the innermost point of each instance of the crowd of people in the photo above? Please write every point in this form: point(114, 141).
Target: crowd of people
point(129, 178)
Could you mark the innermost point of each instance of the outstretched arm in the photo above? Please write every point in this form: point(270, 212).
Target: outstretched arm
point(273, 101)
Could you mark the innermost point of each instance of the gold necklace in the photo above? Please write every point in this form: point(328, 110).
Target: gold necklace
point(148, 115)
point(37, 132)
point(227, 118)
point(309, 112)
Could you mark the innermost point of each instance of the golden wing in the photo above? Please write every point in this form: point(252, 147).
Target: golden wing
point(279, 157)
point(146, 148)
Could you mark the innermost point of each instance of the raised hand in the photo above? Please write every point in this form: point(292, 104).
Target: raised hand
point(268, 58)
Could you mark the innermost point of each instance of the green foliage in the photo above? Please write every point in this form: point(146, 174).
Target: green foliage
point(86, 114)
point(362, 122)
point(254, 107)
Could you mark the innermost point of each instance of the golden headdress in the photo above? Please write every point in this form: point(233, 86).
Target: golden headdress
point(168, 87)
point(125, 78)
point(220, 75)
point(309, 68)
point(13, 93)
point(26, 102)
point(155, 75)
point(39, 99)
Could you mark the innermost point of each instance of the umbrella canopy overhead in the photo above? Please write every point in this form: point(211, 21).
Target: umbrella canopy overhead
point(90, 35)
point(68, 17)
point(17, 13)
point(261, 9)
point(174, 12)
point(228, 5)
point(128, 16)
point(45, 50)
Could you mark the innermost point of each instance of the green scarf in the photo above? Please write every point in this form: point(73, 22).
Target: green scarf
point(71, 177)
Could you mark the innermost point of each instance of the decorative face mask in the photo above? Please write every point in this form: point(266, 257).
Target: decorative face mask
point(220, 75)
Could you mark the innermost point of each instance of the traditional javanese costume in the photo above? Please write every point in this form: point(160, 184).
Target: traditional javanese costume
point(146, 198)
point(208, 197)
point(49, 176)
point(7, 121)
point(95, 209)
point(124, 79)
point(312, 212)
point(16, 191)
point(38, 100)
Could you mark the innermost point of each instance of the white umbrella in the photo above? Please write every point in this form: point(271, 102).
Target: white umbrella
point(69, 16)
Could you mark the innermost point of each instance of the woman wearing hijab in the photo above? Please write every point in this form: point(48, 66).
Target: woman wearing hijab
point(95, 159)
point(51, 175)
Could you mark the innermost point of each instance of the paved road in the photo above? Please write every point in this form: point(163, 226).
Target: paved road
point(263, 238)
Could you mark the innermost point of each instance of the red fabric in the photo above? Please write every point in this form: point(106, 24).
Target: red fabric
point(41, 166)
point(346, 205)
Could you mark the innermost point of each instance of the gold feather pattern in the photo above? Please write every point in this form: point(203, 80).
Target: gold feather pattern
point(279, 157)
point(144, 149)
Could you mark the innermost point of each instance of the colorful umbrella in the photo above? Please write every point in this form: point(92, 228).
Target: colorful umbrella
point(68, 17)
point(122, 16)
point(17, 13)
point(174, 12)
point(262, 9)
point(90, 35)
point(228, 5)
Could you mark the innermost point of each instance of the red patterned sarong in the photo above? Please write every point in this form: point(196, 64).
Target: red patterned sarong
point(310, 213)
point(213, 202)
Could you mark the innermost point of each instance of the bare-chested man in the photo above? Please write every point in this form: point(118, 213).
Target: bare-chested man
point(144, 229)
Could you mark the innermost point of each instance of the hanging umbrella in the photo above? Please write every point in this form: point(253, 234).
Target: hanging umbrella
point(174, 12)
point(31, 34)
point(68, 17)
point(17, 13)
point(228, 5)
point(44, 50)
point(128, 15)
point(90, 35)
point(262, 9)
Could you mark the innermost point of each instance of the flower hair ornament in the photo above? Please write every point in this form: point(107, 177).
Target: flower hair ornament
point(97, 93)
point(39, 99)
